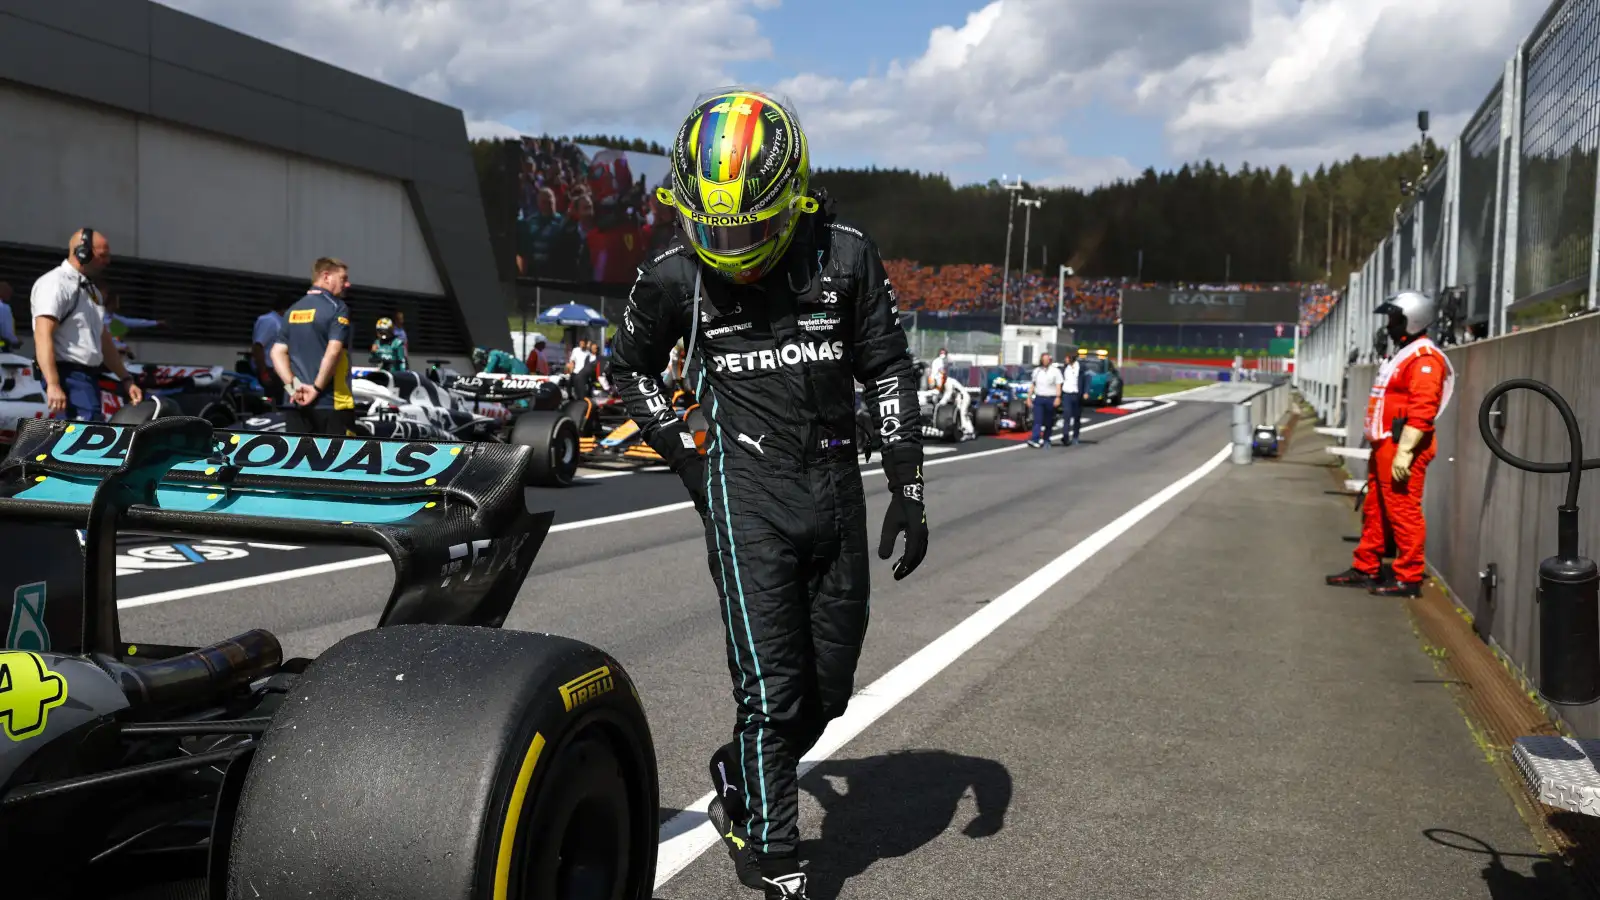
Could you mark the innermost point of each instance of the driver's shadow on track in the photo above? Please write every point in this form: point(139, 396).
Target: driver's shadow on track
point(892, 805)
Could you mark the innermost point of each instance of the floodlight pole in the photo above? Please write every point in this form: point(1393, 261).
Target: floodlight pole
point(1119, 328)
point(1027, 231)
point(1005, 271)
point(1061, 297)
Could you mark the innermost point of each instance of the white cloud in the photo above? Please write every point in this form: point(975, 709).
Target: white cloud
point(606, 65)
point(1266, 81)
point(1014, 66)
point(481, 128)
point(1320, 79)
point(1053, 155)
point(1298, 82)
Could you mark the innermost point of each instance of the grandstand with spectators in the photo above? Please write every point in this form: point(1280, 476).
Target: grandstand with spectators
point(967, 297)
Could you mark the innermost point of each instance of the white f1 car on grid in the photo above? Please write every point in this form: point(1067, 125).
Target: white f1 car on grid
point(214, 393)
point(409, 405)
point(21, 395)
point(946, 407)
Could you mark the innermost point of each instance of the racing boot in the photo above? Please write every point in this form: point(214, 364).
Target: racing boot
point(728, 815)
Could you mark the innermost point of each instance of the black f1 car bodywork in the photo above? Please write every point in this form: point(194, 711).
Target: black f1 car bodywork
point(436, 755)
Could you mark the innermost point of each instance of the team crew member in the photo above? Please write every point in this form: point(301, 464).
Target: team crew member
point(1046, 393)
point(8, 325)
point(1072, 393)
point(785, 309)
point(581, 363)
point(536, 362)
point(497, 362)
point(1412, 387)
point(265, 333)
point(119, 325)
point(937, 370)
point(311, 354)
point(71, 341)
point(387, 348)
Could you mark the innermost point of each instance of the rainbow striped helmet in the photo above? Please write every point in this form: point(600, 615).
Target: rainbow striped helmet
point(740, 175)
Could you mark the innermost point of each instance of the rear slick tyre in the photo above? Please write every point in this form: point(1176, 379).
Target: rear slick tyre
point(428, 762)
point(1017, 411)
point(553, 437)
point(947, 422)
point(986, 420)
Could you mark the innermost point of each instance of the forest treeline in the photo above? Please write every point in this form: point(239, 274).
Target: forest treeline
point(1198, 223)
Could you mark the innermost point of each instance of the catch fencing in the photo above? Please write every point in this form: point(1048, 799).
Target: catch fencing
point(1503, 235)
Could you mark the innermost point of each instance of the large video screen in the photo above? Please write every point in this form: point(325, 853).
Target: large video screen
point(588, 214)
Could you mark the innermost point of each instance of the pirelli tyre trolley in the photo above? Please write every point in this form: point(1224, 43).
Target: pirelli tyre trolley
point(434, 756)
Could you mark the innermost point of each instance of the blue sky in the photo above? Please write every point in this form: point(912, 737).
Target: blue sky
point(1064, 92)
point(845, 39)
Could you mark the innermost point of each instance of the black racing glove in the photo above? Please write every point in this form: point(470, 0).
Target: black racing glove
point(905, 514)
point(693, 473)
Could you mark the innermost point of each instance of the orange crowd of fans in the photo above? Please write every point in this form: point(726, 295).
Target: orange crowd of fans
point(1033, 296)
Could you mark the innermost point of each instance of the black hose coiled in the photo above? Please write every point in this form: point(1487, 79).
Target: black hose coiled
point(1569, 585)
point(1567, 523)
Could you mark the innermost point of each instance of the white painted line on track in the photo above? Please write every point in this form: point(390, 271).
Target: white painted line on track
point(252, 581)
point(689, 833)
point(622, 517)
point(325, 568)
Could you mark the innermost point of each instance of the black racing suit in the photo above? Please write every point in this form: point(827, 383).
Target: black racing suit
point(785, 513)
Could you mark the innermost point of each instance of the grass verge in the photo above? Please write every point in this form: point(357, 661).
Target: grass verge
point(1157, 388)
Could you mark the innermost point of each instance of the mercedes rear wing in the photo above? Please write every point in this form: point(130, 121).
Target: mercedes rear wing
point(452, 516)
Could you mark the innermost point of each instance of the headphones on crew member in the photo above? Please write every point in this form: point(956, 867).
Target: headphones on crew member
point(84, 252)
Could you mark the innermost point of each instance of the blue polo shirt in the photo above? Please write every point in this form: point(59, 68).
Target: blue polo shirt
point(311, 323)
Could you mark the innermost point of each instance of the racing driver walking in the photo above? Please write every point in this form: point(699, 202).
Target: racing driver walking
point(784, 308)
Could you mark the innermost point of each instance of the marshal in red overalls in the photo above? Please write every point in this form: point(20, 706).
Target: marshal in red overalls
point(1410, 390)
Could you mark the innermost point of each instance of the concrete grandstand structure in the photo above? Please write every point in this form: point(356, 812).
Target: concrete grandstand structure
point(221, 167)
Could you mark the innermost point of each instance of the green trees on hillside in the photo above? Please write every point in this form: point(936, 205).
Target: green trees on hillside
point(1198, 223)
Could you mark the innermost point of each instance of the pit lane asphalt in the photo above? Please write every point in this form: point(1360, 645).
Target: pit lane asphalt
point(156, 565)
point(641, 589)
point(972, 788)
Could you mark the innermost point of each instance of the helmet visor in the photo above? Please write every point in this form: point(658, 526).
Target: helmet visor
point(733, 234)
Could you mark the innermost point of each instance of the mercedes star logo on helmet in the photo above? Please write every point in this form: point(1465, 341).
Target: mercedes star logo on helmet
point(721, 202)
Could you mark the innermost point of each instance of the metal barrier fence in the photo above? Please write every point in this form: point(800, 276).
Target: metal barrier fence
point(926, 343)
point(1508, 221)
